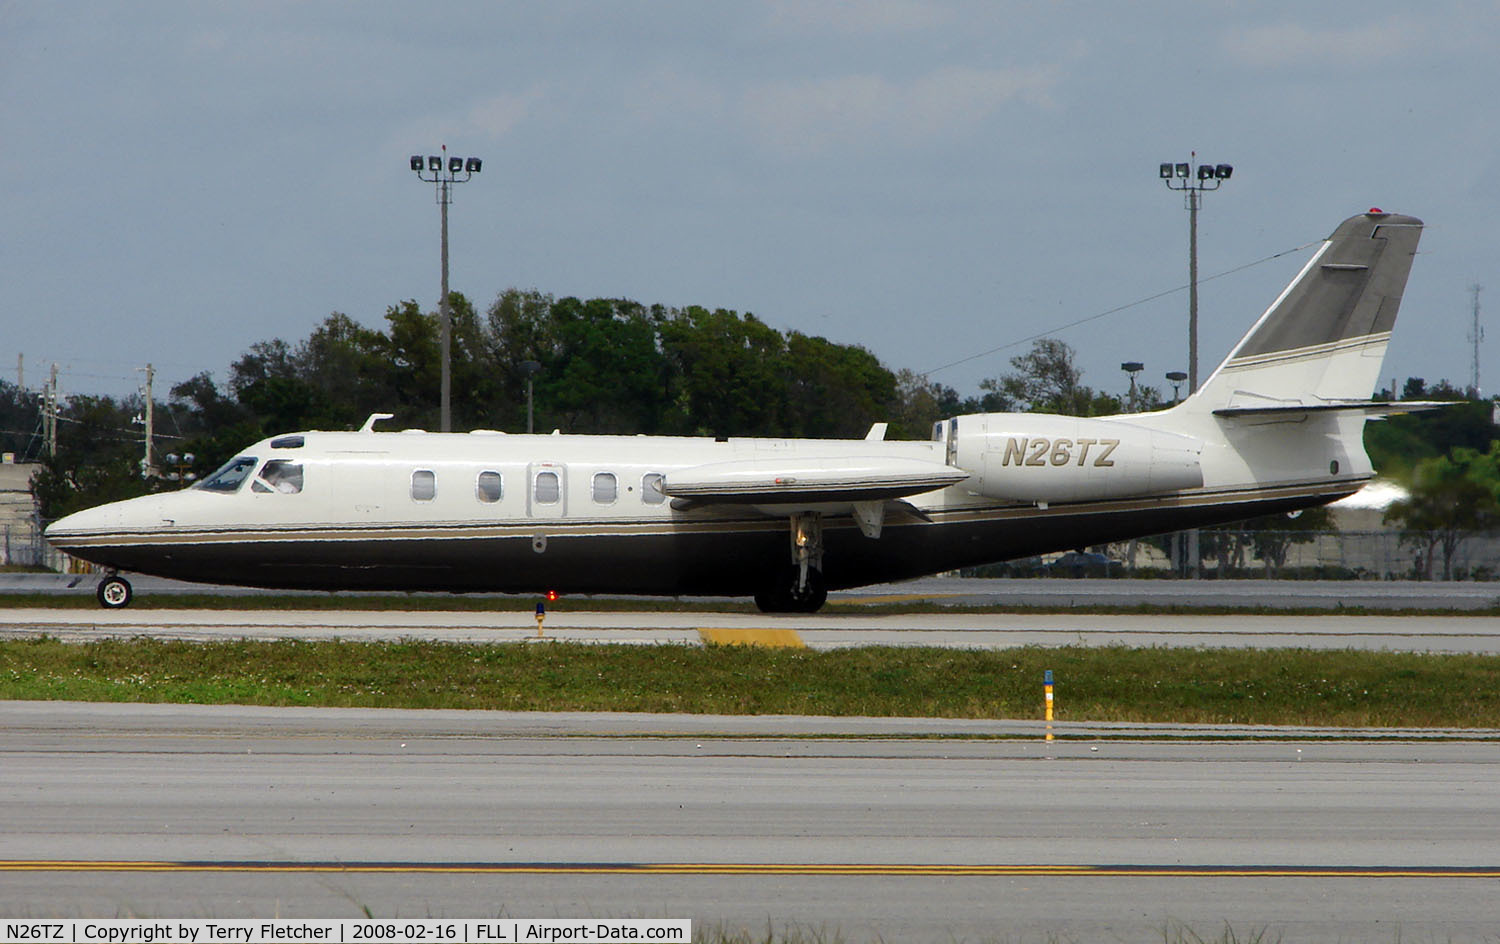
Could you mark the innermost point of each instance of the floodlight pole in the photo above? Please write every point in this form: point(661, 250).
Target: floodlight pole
point(444, 171)
point(529, 370)
point(1180, 177)
point(1132, 368)
point(1193, 179)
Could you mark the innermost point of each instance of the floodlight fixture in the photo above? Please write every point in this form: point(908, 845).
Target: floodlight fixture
point(416, 163)
point(473, 164)
point(1134, 398)
point(1205, 172)
point(1182, 170)
point(1175, 378)
point(1222, 171)
point(455, 165)
point(434, 163)
point(1166, 171)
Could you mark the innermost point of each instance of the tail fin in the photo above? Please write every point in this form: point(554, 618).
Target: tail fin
point(1321, 344)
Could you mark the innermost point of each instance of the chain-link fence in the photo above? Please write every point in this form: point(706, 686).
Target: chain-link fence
point(1327, 555)
point(22, 545)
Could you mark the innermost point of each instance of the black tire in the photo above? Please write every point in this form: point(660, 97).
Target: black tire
point(773, 599)
point(114, 593)
point(784, 597)
point(811, 598)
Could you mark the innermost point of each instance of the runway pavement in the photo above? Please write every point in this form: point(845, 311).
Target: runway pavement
point(914, 830)
point(1447, 634)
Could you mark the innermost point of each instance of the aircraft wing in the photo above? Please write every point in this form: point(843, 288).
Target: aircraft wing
point(809, 479)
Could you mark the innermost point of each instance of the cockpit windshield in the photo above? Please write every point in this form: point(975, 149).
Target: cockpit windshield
point(231, 475)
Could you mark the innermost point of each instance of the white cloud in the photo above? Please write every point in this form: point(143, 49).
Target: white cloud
point(1292, 44)
point(811, 116)
point(497, 116)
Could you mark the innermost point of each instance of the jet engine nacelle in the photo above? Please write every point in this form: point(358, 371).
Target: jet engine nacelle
point(1035, 457)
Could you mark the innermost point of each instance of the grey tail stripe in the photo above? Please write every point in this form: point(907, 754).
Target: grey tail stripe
point(1350, 290)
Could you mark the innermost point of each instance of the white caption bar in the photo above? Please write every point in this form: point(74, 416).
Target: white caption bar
point(354, 931)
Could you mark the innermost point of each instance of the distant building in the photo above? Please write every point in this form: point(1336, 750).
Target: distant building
point(20, 527)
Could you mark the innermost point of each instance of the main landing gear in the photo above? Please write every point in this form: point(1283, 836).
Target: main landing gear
point(114, 592)
point(800, 587)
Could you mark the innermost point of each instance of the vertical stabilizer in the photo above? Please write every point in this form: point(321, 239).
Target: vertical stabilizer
point(1322, 341)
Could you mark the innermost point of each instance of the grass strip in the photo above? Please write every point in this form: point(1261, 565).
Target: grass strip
point(1211, 686)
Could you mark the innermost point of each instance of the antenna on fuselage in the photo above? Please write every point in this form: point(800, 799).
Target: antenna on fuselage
point(369, 426)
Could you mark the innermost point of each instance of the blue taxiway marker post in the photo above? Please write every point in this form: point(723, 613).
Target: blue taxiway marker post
point(1047, 687)
point(541, 614)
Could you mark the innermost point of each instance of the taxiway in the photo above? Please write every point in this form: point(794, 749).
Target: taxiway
point(857, 827)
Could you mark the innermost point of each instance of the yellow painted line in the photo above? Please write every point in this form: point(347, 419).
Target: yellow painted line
point(775, 638)
point(757, 868)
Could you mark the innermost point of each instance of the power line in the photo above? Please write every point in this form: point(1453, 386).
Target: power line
point(1117, 309)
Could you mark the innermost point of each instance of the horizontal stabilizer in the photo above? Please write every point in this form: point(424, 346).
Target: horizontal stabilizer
point(1370, 408)
point(810, 479)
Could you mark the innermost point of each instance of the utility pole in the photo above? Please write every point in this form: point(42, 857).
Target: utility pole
point(148, 467)
point(1476, 335)
point(49, 414)
point(21, 371)
point(444, 172)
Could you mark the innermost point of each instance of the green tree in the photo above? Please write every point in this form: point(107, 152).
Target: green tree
point(604, 373)
point(1451, 498)
point(725, 373)
point(1046, 380)
point(1272, 536)
point(835, 389)
point(99, 456)
point(20, 421)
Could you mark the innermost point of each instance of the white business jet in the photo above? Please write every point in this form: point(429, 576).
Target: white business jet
point(1276, 428)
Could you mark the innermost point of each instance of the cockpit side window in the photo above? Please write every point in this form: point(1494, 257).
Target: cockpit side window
point(279, 475)
point(230, 476)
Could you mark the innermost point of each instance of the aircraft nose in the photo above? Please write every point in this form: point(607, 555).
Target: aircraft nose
point(132, 515)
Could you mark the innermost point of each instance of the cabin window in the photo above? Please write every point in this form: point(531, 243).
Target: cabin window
point(230, 476)
point(279, 475)
point(546, 490)
point(488, 487)
point(423, 485)
point(606, 488)
point(651, 492)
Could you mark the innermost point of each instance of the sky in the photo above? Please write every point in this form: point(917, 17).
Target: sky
point(938, 182)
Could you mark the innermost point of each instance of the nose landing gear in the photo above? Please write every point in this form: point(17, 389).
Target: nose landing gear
point(114, 592)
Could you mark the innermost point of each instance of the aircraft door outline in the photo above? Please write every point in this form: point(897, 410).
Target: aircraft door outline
point(546, 490)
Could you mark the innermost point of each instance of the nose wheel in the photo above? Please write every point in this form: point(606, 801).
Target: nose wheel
point(114, 592)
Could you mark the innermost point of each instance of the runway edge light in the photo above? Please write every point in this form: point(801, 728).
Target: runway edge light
point(1047, 693)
